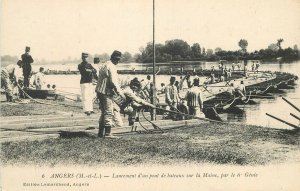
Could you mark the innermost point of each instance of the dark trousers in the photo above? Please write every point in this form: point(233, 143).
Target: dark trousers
point(26, 80)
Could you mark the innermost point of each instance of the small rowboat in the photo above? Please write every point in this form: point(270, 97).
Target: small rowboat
point(41, 94)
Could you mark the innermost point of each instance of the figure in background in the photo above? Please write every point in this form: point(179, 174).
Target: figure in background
point(222, 78)
point(177, 85)
point(229, 74)
point(213, 69)
point(231, 90)
point(88, 73)
point(162, 88)
point(212, 78)
point(241, 90)
point(96, 62)
point(195, 100)
point(39, 79)
point(146, 87)
point(107, 87)
point(27, 60)
point(188, 83)
point(9, 78)
point(239, 66)
point(257, 66)
point(253, 66)
point(171, 95)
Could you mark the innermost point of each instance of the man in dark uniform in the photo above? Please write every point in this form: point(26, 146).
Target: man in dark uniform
point(88, 73)
point(26, 60)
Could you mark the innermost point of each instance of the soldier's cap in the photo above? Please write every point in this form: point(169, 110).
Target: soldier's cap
point(84, 55)
point(196, 80)
point(96, 60)
point(116, 53)
point(135, 83)
point(27, 48)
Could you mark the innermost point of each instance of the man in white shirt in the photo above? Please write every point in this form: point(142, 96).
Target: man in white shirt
point(108, 87)
point(39, 79)
point(9, 78)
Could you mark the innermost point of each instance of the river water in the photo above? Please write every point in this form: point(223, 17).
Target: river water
point(250, 114)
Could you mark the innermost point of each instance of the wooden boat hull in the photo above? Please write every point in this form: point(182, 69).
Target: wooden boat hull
point(41, 94)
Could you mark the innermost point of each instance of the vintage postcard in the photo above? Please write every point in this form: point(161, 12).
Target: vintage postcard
point(150, 95)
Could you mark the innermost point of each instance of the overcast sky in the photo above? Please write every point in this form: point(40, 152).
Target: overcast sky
point(56, 29)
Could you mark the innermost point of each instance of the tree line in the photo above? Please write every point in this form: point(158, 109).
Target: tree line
point(180, 50)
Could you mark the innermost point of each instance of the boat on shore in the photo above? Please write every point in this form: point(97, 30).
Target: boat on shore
point(40, 94)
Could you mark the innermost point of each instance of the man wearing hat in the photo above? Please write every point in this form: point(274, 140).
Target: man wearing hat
point(88, 73)
point(194, 99)
point(107, 87)
point(27, 60)
point(9, 78)
point(171, 93)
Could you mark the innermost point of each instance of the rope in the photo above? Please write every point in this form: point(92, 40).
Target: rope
point(154, 125)
point(147, 130)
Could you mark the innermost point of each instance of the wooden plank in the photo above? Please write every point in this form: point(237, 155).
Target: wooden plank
point(47, 119)
point(8, 134)
point(49, 124)
point(29, 138)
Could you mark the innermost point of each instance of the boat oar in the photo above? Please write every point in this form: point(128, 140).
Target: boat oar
point(291, 104)
point(295, 116)
point(285, 122)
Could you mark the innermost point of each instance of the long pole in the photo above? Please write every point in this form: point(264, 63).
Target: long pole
point(285, 122)
point(153, 115)
point(287, 101)
point(295, 116)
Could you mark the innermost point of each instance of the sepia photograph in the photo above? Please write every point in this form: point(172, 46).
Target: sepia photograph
point(150, 95)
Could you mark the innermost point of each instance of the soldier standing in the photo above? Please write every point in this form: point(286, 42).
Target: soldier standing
point(107, 87)
point(195, 100)
point(88, 73)
point(27, 60)
point(171, 94)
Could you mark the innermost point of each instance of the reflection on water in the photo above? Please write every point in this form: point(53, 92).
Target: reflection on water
point(251, 114)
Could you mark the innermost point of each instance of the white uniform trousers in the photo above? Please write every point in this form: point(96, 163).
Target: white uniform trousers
point(88, 94)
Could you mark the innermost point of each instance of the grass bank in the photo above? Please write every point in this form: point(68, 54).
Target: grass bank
point(206, 143)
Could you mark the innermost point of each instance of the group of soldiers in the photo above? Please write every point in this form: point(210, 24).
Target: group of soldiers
point(114, 100)
point(11, 74)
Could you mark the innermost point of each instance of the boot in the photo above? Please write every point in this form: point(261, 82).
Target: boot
point(9, 98)
point(101, 131)
point(107, 131)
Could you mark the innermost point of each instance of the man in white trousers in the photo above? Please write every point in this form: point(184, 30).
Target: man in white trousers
point(88, 73)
